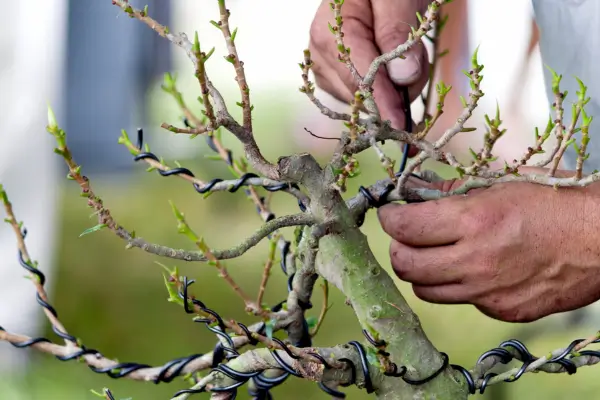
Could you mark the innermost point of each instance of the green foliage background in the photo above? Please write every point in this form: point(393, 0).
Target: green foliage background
point(115, 301)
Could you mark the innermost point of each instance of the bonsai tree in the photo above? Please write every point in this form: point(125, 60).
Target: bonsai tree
point(396, 360)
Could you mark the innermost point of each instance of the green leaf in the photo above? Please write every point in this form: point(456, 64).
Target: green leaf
point(3, 195)
point(196, 45)
point(93, 229)
point(473, 154)
point(555, 79)
point(52, 124)
point(474, 62)
point(582, 89)
point(210, 53)
point(331, 28)
point(419, 17)
point(173, 295)
point(178, 214)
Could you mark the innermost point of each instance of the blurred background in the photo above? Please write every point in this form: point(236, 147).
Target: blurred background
point(102, 72)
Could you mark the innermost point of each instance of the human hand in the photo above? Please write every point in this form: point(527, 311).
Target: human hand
point(517, 251)
point(371, 28)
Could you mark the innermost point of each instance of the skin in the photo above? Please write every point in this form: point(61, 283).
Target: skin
point(370, 29)
point(516, 251)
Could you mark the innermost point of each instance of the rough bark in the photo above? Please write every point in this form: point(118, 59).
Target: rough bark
point(345, 259)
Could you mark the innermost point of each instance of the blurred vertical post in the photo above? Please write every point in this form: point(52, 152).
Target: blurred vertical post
point(94, 66)
point(111, 63)
point(32, 37)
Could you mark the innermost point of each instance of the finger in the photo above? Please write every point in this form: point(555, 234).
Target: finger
point(443, 294)
point(392, 25)
point(392, 20)
point(327, 78)
point(358, 36)
point(428, 266)
point(432, 223)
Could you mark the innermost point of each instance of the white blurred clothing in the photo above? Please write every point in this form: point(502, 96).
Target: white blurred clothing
point(570, 45)
point(32, 38)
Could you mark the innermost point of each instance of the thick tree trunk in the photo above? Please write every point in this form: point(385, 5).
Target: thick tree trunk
point(381, 308)
point(346, 260)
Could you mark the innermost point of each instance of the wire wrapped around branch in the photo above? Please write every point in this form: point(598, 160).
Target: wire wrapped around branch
point(218, 184)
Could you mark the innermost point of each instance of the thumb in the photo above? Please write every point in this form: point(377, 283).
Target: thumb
point(392, 23)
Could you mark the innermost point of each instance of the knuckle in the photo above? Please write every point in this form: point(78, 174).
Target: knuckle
point(319, 33)
point(392, 34)
point(393, 221)
point(318, 36)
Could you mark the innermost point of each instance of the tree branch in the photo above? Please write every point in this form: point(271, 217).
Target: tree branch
point(225, 185)
point(223, 118)
point(262, 360)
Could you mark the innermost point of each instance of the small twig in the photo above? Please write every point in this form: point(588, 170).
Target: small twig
point(442, 91)
point(267, 269)
point(441, 22)
point(385, 161)
point(324, 308)
point(187, 131)
point(585, 139)
point(559, 128)
point(200, 73)
point(169, 87)
point(233, 58)
point(458, 127)
point(309, 89)
point(320, 137)
point(184, 228)
point(268, 228)
point(39, 287)
point(343, 51)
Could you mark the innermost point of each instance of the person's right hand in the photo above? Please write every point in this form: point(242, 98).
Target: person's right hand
point(371, 28)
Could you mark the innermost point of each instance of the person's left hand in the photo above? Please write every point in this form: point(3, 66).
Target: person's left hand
point(517, 251)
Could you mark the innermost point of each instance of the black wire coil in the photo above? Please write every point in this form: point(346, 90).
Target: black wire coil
point(526, 358)
point(240, 182)
point(109, 394)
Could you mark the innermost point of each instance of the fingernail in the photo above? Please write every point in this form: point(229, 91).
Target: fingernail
point(404, 72)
